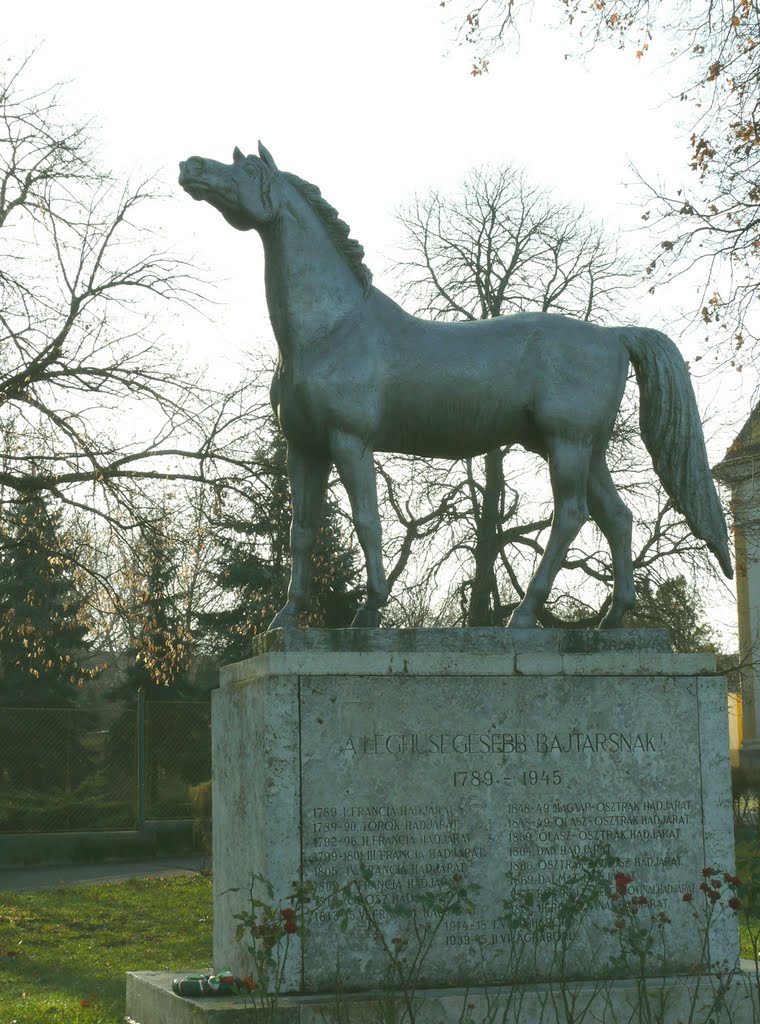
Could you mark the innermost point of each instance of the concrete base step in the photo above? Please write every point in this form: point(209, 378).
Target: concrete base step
point(150, 1000)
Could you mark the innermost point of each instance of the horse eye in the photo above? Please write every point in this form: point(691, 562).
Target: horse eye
point(250, 168)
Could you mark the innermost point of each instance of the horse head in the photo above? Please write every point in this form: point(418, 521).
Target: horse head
point(245, 192)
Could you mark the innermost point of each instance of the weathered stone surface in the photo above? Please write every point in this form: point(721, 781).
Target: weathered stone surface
point(256, 799)
point(370, 663)
point(150, 1000)
point(485, 640)
point(421, 774)
point(608, 663)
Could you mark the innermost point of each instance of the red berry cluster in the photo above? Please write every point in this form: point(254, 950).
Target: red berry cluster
point(622, 881)
point(713, 889)
point(289, 916)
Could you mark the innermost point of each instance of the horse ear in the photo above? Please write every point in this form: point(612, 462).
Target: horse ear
point(237, 156)
point(266, 156)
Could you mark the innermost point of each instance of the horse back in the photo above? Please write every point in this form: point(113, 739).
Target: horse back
point(453, 389)
point(466, 387)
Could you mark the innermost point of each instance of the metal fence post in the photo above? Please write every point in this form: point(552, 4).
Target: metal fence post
point(67, 719)
point(140, 757)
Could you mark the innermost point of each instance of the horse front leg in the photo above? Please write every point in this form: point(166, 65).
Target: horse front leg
point(568, 470)
point(356, 468)
point(308, 474)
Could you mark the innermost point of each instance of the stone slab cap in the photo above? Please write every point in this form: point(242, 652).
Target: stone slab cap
point(488, 651)
point(634, 663)
point(484, 640)
point(364, 663)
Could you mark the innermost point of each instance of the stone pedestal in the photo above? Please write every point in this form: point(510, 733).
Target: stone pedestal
point(425, 754)
point(501, 756)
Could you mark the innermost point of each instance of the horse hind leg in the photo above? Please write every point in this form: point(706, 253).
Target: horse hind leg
point(614, 519)
point(568, 471)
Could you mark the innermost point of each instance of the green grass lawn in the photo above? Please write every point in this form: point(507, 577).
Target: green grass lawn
point(64, 952)
point(747, 949)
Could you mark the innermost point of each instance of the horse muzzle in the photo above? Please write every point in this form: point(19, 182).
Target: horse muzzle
point(192, 177)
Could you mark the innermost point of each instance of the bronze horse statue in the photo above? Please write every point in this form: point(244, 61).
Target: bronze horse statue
point(357, 374)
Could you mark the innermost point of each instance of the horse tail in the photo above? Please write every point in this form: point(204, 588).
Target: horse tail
point(672, 431)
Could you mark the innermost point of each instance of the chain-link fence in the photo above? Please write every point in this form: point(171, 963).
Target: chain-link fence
point(177, 755)
point(71, 769)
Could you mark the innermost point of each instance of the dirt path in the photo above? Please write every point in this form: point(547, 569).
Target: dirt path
point(21, 879)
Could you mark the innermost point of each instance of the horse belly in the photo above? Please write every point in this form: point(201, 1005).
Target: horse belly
point(453, 426)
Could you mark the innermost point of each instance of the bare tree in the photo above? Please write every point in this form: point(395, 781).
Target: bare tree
point(93, 401)
point(710, 226)
point(501, 245)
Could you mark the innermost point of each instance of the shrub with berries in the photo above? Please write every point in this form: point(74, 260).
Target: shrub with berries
point(268, 928)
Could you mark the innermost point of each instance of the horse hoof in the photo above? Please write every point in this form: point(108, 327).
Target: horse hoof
point(522, 620)
point(366, 618)
point(284, 619)
point(611, 622)
point(614, 617)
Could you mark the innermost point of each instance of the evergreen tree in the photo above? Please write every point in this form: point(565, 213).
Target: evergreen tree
point(160, 651)
point(253, 566)
point(43, 622)
point(43, 647)
point(159, 658)
point(672, 604)
point(676, 606)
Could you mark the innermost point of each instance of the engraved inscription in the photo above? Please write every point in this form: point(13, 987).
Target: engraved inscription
point(408, 744)
point(520, 787)
point(407, 846)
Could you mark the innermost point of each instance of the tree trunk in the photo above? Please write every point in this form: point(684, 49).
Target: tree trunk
point(481, 611)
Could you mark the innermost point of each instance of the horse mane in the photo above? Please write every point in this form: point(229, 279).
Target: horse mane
point(337, 228)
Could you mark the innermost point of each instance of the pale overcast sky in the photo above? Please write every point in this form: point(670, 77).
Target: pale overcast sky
point(368, 100)
point(371, 102)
